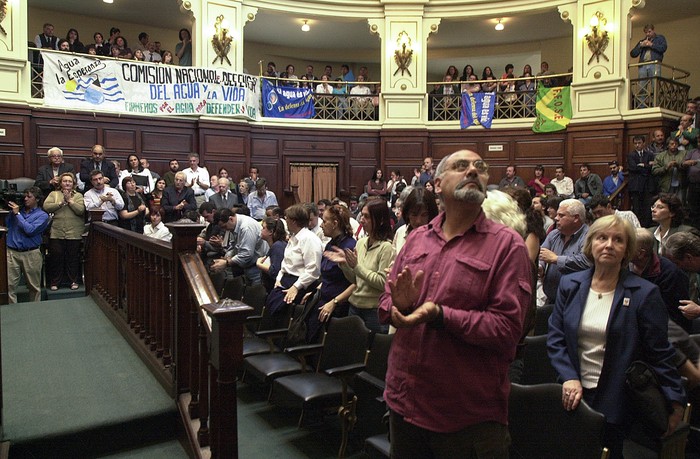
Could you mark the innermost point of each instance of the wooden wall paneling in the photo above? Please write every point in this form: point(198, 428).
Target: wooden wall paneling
point(166, 143)
point(548, 151)
point(119, 143)
point(12, 165)
point(16, 144)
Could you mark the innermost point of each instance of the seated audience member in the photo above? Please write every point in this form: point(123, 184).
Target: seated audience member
point(511, 180)
point(244, 248)
point(224, 198)
point(683, 249)
point(156, 228)
point(167, 58)
point(63, 45)
point(539, 181)
point(133, 216)
point(315, 222)
point(244, 191)
point(276, 213)
point(147, 166)
point(533, 233)
point(491, 85)
point(178, 199)
point(213, 188)
point(563, 184)
point(91, 50)
point(212, 239)
point(600, 207)
point(47, 179)
point(366, 266)
point(673, 283)
point(274, 233)
point(67, 227)
point(301, 265)
point(335, 288)
point(360, 95)
point(667, 212)
point(102, 196)
point(223, 173)
point(261, 199)
point(550, 191)
point(588, 186)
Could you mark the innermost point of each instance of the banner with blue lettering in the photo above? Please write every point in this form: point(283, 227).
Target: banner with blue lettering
point(477, 109)
point(287, 101)
point(92, 83)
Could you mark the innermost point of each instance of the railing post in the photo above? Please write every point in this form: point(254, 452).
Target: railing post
point(226, 357)
point(183, 343)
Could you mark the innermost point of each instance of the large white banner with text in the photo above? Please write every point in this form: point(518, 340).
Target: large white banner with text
point(91, 83)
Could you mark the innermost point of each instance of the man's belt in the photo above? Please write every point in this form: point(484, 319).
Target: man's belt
point(23, 250)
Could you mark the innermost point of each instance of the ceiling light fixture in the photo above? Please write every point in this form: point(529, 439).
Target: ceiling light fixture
point(108, 1)
point(305, 27)
point(499, 26)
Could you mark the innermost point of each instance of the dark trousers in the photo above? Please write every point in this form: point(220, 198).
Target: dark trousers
point(613, 434)
point(693, 200)
point(64, 261)
point(487, 440)
point(641, 206)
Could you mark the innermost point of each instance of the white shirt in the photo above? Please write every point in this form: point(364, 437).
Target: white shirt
point(592, 334)
point(302, 258)
point(159, 232)
point(565, 186)
point(93, 201)
point(201, 174)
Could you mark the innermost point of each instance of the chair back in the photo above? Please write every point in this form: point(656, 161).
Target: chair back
point(540, 426)
point(377, 361)
point(345, 343)
point(542, 319)
point(537, 368)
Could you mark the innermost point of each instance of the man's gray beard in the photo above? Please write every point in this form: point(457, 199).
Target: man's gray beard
point(470, 195)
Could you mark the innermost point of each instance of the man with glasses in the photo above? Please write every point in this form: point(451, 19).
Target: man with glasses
point(98, 162)
point(458, 294)
point(47, 177)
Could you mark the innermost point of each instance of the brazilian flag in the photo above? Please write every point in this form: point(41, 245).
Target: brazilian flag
point(553, 109)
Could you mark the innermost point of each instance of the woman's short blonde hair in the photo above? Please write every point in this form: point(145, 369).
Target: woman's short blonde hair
point(68, 174)
point(502, 208)
point(606, 223)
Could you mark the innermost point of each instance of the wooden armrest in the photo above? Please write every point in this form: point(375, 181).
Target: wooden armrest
point(346, 370)
point(275, 333)
point(304, 350)
point(375, 382)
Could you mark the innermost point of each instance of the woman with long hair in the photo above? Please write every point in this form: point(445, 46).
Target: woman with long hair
point(134, 167)
point(167, 58)
point(466, 73)
point(73, 38)
point(377, 185)
point(68, 209)
point(366, 265)
point(156, 195)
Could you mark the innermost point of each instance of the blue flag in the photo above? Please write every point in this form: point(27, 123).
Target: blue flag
point(287, 102)
point(477, 109)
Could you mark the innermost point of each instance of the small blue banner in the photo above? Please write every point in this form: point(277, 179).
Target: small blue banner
point(287, 101)
point(477, 109)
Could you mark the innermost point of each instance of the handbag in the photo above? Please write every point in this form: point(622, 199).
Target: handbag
point(648, 401)
point(296, 333)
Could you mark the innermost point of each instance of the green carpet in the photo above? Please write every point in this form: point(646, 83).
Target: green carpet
point(167, 450)
point(66, 369)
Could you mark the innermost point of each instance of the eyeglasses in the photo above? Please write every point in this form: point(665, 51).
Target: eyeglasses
point(462, 165)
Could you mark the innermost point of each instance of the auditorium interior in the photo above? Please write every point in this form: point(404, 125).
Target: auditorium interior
point(406, 124)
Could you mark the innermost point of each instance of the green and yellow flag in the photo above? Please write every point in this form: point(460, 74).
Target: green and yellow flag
point(553, 109)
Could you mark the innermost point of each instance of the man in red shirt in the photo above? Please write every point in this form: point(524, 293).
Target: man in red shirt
point(458, 295)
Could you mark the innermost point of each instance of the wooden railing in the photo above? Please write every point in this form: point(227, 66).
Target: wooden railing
point(160, 297)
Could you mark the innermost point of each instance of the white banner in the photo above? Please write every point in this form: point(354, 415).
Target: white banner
point(90, 83)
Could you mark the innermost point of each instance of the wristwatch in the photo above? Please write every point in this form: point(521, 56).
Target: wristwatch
point(335, 300)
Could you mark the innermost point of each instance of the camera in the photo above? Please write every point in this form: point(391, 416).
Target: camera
point(8, 192)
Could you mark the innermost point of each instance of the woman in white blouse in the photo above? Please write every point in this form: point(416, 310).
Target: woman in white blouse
point(324, 87)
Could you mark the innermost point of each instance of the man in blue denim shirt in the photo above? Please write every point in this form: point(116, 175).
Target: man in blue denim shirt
point(25, 228)
point(651, 48)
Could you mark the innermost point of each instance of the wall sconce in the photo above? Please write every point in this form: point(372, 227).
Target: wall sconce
point(221, 41)
point(3, 14)
point(403, 53)
point(598, 38)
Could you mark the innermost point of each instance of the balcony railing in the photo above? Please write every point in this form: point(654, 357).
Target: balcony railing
point(667, 89)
